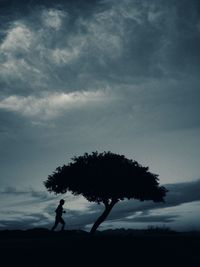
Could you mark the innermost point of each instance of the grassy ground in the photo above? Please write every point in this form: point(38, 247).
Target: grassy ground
point(75, 248)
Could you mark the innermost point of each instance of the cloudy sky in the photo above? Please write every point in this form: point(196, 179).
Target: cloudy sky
point(80, 76)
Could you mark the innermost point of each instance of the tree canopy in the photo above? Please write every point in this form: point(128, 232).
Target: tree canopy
point(106, 178)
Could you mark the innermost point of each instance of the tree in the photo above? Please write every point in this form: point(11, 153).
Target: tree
point(106, 178)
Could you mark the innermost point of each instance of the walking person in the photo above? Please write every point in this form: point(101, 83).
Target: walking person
point(58, 219)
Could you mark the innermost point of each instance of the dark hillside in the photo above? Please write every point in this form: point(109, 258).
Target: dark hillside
point(40, 247)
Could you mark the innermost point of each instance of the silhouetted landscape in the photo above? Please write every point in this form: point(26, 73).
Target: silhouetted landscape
point(99, 129)
point(105, 178)
point(154, 246)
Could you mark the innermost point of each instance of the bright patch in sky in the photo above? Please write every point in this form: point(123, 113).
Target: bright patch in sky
point(18, 38)
point(51, 105)
point(53, 18)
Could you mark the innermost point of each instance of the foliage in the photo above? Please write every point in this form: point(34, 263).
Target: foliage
point(102, 177)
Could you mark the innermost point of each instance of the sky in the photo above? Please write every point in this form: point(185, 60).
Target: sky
point(102, 75)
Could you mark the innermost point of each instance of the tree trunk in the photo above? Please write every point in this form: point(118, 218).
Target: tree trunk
point(108, 208)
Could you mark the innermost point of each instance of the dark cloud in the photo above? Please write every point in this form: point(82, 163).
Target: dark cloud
point(152, 219)
point(53, 50)
point(24, 221)
point(183, 193)
point(127, 39)
point(39, 195)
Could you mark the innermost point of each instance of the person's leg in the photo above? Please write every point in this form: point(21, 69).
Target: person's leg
point(55, 225)
point(63, 224)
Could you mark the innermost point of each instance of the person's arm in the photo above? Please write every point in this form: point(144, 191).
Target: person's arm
point(63, 211)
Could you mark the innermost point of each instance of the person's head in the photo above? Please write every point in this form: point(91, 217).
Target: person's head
point(62, 202)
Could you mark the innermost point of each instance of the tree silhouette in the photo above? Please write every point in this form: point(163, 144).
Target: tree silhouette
point(106, 178)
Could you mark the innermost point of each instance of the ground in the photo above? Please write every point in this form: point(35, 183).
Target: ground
point(40, 247)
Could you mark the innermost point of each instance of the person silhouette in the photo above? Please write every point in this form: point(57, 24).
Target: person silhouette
point(58, 219)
